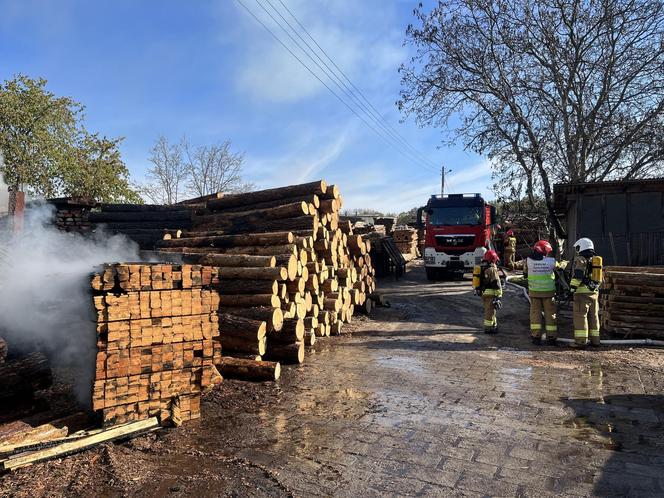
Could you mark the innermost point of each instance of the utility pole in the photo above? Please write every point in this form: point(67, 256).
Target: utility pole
point(442, 179)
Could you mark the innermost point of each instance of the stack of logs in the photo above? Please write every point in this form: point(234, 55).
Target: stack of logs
point(633, 301)
point(406, 241)
point(143, 223)
point(285, 259)
point(157, 340)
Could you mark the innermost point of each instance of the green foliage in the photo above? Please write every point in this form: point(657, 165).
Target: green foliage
point(47, 152)
point(407, 217)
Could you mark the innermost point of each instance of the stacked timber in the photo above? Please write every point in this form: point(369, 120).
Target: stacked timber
point(320, 274)
point(406, 240)
point(157, 340)
point(145, 224)
point(632, 301)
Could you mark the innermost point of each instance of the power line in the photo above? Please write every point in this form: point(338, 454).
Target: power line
point(311, 71)
point(375, 111)
point(387, 138)
point(385, 135)
point(369, 110)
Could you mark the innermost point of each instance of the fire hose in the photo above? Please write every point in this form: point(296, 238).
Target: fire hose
point(610, 342)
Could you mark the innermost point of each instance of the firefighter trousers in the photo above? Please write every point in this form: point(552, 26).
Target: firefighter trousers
point(490, 321)
point(586, 318)
point(546, 305)
point(509, 259)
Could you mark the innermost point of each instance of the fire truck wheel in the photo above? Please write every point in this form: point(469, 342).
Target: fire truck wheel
point(432, 273)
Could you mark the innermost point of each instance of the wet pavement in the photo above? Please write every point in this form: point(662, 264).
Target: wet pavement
point(419, 402)
point(416, 402)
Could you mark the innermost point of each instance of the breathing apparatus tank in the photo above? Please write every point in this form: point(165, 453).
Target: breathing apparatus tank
point(596, 269)
point(477, 276)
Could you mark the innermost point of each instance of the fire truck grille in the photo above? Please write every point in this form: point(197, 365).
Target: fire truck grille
point(455, 240)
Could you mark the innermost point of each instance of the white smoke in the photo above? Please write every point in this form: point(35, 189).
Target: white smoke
point(45, 298)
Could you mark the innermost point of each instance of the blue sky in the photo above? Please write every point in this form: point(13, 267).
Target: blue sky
point(207, 70)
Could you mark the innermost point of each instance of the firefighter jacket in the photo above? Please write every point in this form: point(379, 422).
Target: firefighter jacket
point(582, 282)
point(541, 278)
point(491, 281)
point(510, 244)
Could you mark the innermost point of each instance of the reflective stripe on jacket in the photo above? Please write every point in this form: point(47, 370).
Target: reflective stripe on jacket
point(540, 275)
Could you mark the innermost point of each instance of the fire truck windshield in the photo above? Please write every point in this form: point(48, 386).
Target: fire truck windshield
point(466, 215)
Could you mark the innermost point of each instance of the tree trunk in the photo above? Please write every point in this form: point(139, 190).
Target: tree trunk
point(274, 317)
point(227, 286)
point(248, 300)
point(293, 331)
point(249, 198)
point(309, 199)
point(248, 239)
point(235, 368)
point(243, 345)
point(252, 225)
point(239, 326)
point(277, 273)
point(286, 353)
point(231, 260)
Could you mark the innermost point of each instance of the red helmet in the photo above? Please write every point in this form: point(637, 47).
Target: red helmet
point(491, 256)
point(509, 233)
point(543, 247)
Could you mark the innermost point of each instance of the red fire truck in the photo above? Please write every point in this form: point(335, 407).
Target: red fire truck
point(457, 230)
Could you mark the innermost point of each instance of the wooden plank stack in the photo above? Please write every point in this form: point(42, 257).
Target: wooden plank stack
point(157, 340)
point(632, 301)
point(406, 240)
point(315, 273)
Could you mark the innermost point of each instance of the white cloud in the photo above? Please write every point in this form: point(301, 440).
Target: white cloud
point(268, 72)
point(309, 157)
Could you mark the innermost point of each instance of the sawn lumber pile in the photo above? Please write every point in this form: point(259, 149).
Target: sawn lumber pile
point(633, 301)
point(157, 340)
point(406, 240)
point(285, 259)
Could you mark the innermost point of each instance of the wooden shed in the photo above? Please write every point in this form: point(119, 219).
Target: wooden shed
point(625, 219)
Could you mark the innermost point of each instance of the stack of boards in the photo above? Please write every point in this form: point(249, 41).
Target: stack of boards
point(632, 301)
point(157, 340)
point(406, 240)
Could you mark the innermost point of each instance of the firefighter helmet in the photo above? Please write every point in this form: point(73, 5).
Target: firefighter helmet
point(543, 247)
point(584, 244)
point(510, 233)
point(491, 256)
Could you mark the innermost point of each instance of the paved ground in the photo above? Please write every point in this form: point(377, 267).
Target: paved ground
point(416, 402)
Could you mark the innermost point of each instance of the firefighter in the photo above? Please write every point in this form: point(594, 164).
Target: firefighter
point(542, 290)
point(510, 249)
point(487, 284)
point(586, 279)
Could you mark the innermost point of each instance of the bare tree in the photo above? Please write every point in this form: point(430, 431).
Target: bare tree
point(551, 90)
point(167, 177)
point(214, 168)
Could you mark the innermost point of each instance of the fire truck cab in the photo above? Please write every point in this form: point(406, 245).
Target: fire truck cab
point(457, 230)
